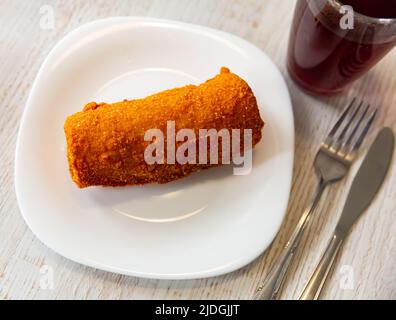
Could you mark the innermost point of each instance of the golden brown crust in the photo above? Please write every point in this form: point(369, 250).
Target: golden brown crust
point(105, 142)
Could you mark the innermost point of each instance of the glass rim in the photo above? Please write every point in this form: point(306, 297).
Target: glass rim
point(364, 18)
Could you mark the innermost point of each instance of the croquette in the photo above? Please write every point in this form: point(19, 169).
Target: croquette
point(106, 145)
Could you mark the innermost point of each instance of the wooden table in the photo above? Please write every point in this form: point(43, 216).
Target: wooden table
point(365, 270)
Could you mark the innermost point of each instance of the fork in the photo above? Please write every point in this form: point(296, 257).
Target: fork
point(332, 162)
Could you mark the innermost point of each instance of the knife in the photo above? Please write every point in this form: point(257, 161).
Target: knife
point(366, 184)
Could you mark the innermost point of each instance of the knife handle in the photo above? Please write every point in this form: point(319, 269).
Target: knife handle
point(315, 285)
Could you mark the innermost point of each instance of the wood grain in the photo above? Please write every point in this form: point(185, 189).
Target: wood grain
point(370, 252)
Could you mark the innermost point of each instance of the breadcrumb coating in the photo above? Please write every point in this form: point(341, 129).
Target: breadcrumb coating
point(105, 142)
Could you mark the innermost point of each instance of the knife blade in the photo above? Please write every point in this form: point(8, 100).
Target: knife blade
point(368, 180)
point(365, 186)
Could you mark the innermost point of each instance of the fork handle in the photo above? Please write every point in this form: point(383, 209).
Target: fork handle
point(275, 279)
point(316, 283)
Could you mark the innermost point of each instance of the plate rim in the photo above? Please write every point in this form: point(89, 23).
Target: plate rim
point(185, 26)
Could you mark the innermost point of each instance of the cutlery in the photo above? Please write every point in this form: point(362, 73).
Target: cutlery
point(332, 162)
point(365, 186)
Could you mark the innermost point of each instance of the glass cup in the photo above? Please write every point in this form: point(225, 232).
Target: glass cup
point(331, 45)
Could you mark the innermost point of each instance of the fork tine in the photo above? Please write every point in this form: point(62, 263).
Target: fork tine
point(365, 131)
point(355, 129)
point(341, 119)
point(345, 130)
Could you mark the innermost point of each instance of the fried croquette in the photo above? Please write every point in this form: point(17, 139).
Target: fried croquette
point(106, 142)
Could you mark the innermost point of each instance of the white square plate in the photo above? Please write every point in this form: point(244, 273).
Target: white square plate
point(207, 224)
